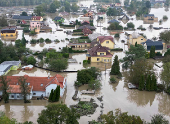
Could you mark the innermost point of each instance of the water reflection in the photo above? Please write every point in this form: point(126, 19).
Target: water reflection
point(26, 113)
point(164, 101)
point(141, 98)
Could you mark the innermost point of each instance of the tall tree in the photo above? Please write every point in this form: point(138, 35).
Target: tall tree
point(142, 82)
point(57, 93)
point(25, 88)
point(115, 67)
point(134, 53)
point(57, 114)
point(51, 96)
point(165, 36)
point(4, 88)
point(165, 75)
point(152, 52)
point(54, 96)
point(148, 82)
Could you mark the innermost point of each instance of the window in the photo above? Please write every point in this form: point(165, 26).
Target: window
point(98, 59)
point(41, 85)
point(107, 41)
point(17, 83)
point(32, 23)
point(12, 96)
point(101, 53)
point(104, 60)
point(28, 83)
point(34, 93)
point(108, 60)
point(18, 96)
point(141, 39)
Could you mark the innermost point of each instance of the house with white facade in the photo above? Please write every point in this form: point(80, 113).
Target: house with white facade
point(38, 86)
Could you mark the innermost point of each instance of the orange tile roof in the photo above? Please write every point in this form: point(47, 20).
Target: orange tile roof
point(37, 81)
point(16, 89)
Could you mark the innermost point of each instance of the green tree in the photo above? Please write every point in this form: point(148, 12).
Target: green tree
point(51, 96)
point(25, 88)
point(6, 120)
point(152, 52)
point(41, 40)
point(142, 82)
point(54, 96)
point(165, 75)
point(115, 26)
point(31, 60)
point(126, 2)
point(154, 80)
point(74, 7)
point(67, 6)
point(159, 119)
point(134, 53)
point(148, 4)
point(24, 14)
point(121, 118)
point(165, 36)
point(57, 114)
point(23, 41)
point(4, 88)
point(58, 64)
point(52, 8)
point(167, 53)
point(148, 83)
point(57, 93)
point(130, 25)
point(3, 22)
point(115, 70)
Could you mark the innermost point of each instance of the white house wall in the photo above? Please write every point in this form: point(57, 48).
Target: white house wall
point(0, 93)
point(38, 93)
point(49, 88)
point(20, 96)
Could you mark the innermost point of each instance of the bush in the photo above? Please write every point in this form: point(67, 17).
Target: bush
point(165, 17)
point(117, 35)
point(41, 40)
point(26, 30)
point(112, 80)
point(47, 40)
point(86, 61)
point(125, 28)
point(78, 30)
point(56, 40)
point(115, 26)
point(65, 55)
point(84, 37)
point(31, 60)
point(158, 54)
point(32, 33)
point(130, 25)
point(78, 84)
point(33, 41)
point(168, 90)
point(160, 87)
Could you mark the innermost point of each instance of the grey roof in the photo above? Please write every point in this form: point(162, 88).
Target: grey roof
point(4, 68)
point(94, 36)
point(113, 21)
point(87, 26)
point(158, 44)
point(148, 15)
point(21, 17)
point(57, 18)
point(16, 63)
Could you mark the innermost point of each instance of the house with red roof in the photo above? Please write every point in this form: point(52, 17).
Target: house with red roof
point(37, 18)
point(106, 41)
point(99, 54)
point(38, 86)
point(23, 22)
point(87, 31)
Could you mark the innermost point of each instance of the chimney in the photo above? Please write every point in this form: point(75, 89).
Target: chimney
point(48, 75)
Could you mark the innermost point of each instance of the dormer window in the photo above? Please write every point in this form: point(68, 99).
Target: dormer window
point(101, 53)
point(107, 41)
point(41, 85)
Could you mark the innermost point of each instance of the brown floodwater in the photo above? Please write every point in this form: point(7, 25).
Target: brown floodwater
point(142, 103)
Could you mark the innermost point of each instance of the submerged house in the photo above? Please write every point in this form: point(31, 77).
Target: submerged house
point(150, 17)
point(106, 41)
point(18, 17)
point(9, 31)
point(124, 19)
point(87, 31)
point(39, 86)
point(87, 26)
point(113, 21)
point(99, 54)
point(159, 45)
point(7, 66)
point(135, 37)
point(58, 19)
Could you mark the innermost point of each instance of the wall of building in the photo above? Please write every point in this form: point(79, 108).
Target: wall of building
point(19, 96)
point(110, 45)
point(38, 93)
point(8, 34)
point(139, 40)
point(101, 59)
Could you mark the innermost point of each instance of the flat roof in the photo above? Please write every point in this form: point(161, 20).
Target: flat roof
point(4, 68)
point(11, 63)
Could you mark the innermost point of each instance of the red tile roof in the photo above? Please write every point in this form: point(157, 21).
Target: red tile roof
point(23, 22)
point(16, 89)
point(87, 31)
point(93, 51)
point(37, 81)
point(103, 38)
point(36, 17)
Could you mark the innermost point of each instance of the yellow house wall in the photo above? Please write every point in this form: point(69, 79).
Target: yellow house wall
point(9, 34)
point(138, 40)
point(94, 59)
point(109, 45)
point(38, 20)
